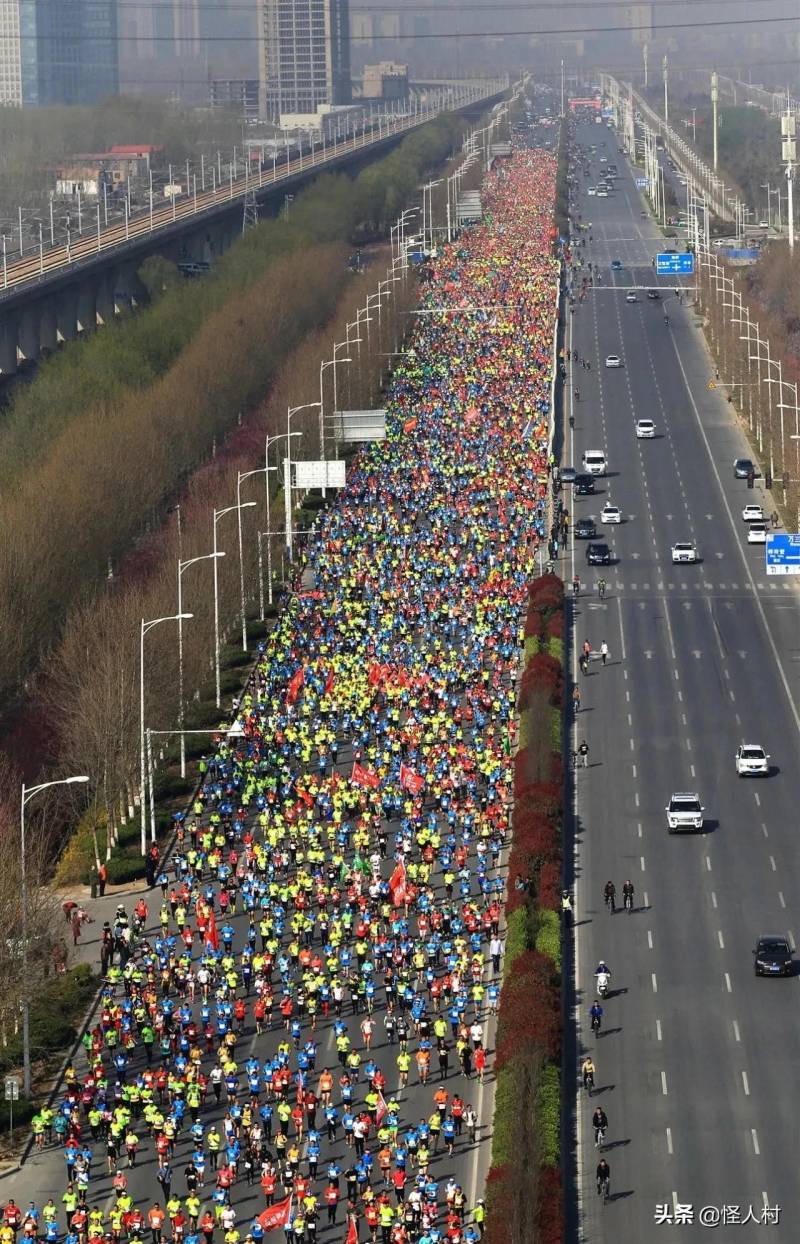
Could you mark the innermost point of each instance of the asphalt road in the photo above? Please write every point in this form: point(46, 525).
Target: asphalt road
point(697, 1057)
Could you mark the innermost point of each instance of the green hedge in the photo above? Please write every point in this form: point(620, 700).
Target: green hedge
point(547, 938)
point(56, 1012)
point(548, 1114)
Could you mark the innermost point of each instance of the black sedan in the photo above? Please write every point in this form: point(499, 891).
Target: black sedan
point(653, 295)
point(742, 467)
point(583, 485)
point(598, 555)
point(585, 529)
point(773, 956)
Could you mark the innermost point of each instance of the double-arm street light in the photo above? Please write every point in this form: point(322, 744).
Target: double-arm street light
point(331, 362)
point(145, 627)
point(184, 565)
point(291, 411)
point(27, 793)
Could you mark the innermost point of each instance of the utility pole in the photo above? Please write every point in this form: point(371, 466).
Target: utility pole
point(789, 156)
point(666, 90)
point(714, 102)
point(644, 57)
point(562, 89)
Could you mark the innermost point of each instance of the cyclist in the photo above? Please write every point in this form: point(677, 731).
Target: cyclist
point(576, 698)
point(577, 395)
point(572, 421)
point(587, 1071)
point(666, 320)
point(601, 588)
point(603, 1178)
point(610, 895)
point(599, 1123)
point(566, 906)
point(596, 1015)
point(576, 585)
point(627, 895)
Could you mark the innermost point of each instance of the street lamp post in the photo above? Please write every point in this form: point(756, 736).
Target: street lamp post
point(243, 475)
point(271, 440)
point(218, 514)
point(291, 411)
point(27, 794)
point(184, 565)
point(145, 627)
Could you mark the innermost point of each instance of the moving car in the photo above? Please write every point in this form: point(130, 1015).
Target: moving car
point(753, 514)
point(594, 462)
point(631, 296)
point(616, 265)
point(568, 475)
point(613, 360)
point(684, 811)
point(585, 529)
point(742, 468)
point(590, 190)
point(602, 193)
point(751, 760)
point(610, 513)
point(653, 295)
point(757, 533)
point(598, 555)
point(645, 429)
point(583, 485)
point(684, 551)
point(773, 955)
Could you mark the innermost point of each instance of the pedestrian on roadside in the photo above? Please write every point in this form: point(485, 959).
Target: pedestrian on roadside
point(583, 752)
point(604, 652)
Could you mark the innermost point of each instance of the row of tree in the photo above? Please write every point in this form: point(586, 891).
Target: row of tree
point(95, 447)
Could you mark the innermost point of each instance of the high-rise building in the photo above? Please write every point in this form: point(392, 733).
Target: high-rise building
point(304, 55)
point(58, 51)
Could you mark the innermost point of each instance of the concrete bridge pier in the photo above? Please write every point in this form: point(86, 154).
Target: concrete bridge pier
point(87, 307)
point(104, 296)
point(67, 313)
point(8, 343)
point(48, 325)
point(29, 332)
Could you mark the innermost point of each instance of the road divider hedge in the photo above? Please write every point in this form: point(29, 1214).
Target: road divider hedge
point(524, 1184)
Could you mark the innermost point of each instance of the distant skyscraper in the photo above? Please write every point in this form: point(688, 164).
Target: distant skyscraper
point(305, 55)
point(58, 51)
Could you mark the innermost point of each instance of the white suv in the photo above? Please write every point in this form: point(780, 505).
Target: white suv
point(594, 462)
point(684, 811)
point(751, 760)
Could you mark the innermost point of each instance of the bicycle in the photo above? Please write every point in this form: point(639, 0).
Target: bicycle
point(596, 1022)
point(588, 1082)
point(604, 1187)
point(599, 1137)
point(601, 589)
point(627, 902)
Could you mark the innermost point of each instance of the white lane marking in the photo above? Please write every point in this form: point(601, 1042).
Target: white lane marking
point(649, 939)
point(672, 651)
point(756, 598)
point(645, 898)
point(669, 1140)
point(764, 830)
point(736, 1033)
point(745, 1084)
point(664, 1083)
point(708, 863)
point(636, 798)
point(633, 767)
point(622, 648)
point(754, 1135)
point(781, 899)
point(641, 863)
point(728, 983)
point(719, 939)
point(654, 982)
point(757, 797)
point(658, 1030)
point(773, 865)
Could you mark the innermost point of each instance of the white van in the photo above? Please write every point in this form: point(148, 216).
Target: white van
point(594, 462)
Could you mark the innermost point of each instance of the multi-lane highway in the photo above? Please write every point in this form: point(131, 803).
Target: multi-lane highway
point(696, 1058)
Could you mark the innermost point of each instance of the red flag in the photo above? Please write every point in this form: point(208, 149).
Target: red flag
point(364, 777)
point(410, 780)
point(382, 1108)
point(397, 884)
point(375, 674)
point(329, 682)
point(409, 425)
point(352, 1233)
point(276, 1215)
point(296, 683)
point(212, 933)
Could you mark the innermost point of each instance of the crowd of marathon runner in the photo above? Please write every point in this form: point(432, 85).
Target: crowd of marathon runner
point(296, 1035)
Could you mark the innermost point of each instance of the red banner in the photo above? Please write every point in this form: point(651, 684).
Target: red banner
point(410, 780)
point(296, 683)
point(409, 425)
point(397, 884)
point(212, 934)
point(352, 1233)
point(276, 1215)
point(364, 777)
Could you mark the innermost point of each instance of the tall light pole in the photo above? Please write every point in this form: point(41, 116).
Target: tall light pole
point(714, 103)
point(323, 367)
point(184, 565)
point(665, 65)
point(291, 411)
point(766, 186)
point(789, 156)
point(218, 514)
point(644, 57)
point(145, 627)
point(241, 477)
point(28, 793)
point(562, 88)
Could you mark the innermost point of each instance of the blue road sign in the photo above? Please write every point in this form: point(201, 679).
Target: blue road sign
point(641, 183)
point(675, 265)
point(783, 553)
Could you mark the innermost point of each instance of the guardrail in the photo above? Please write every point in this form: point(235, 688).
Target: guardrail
point(43, 260)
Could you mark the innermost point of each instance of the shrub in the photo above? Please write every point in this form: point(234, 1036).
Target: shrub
point(543, 673)
point(126, 866)
point(55, 1012)
point(170, 785)
point(548, 1114)
point(548, 936)
point(550, 1207)
point(548, 890)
